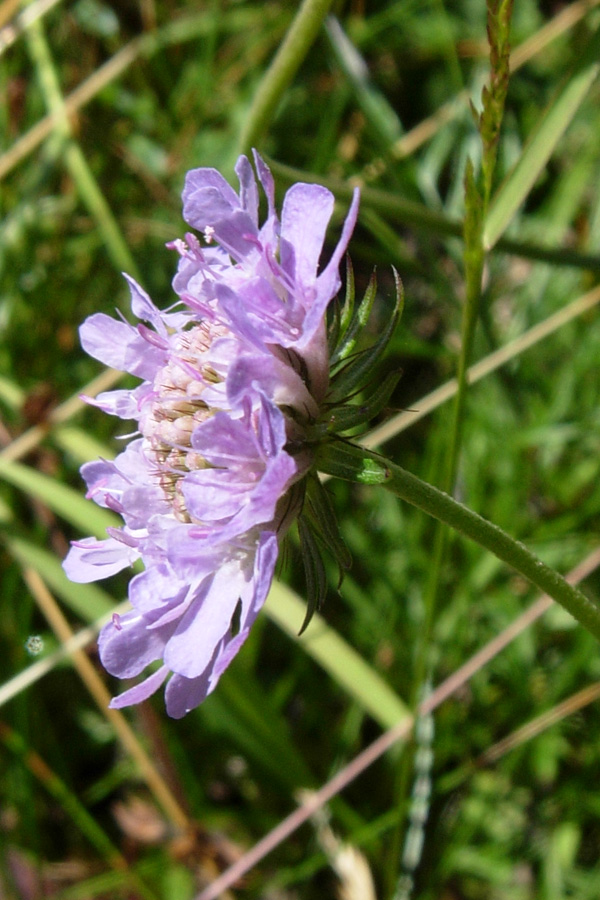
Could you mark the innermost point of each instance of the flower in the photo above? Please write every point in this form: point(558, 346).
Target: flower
point(234, 376)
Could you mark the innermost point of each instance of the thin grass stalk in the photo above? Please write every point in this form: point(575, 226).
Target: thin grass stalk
point(382, 744)
point(145, 46)
point(537, 725)
point(541, 142)
point(12, 31)
point(540, 724)
point(156, 784)
point(478, 193)
point(288, 59)
point(8, 10)
point(30, 439)
point(86, 91)
point(381, 119)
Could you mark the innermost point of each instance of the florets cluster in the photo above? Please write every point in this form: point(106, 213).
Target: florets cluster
point(233, 377)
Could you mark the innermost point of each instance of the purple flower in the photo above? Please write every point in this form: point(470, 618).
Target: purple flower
point(273, 295)
point(233, 377)
point(187, 621)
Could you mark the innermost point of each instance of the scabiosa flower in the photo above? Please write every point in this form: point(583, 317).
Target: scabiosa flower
point(235, 395)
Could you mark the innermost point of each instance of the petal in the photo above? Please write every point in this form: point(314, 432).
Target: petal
point(213, 496)
point(101, 477)
point(253, 598)
point(260, 329)
point(116, 403)
point(184, 694)
point(226, 442)
point(271, 429)
point(252, 470)
point(206, 622)
point(328, 282)
point(143, 307)
point(306, 212)
point(89, 559)
point(266, 179)
point(128, 647)
point(278, 381)
point(158, 595)
point(190, 555)
point(119, 345)
point(207, 198)
point(248, 189)
point(252, 601)
point(140, 691)
point(237, 234)
point(141, 503)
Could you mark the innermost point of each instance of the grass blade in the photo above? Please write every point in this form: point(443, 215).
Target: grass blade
point(85, 600)
point(331, 651)
point(64, 501)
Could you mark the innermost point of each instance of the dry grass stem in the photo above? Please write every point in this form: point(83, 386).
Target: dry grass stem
point(484, 367)
point(30, 439)
point(541, 723)
point(37, 670)
point(450, 686)
point(102, 697)
point(12, 31)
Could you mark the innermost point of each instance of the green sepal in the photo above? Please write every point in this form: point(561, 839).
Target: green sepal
point(351, 333)
point(318, 509)
point(349, 299)
point(342, 315)
point(345, 460)
point(347, 416)
point(354, 373)
point(334, 327)
point(316, 579)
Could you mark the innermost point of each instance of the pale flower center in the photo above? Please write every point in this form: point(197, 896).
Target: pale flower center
point(176, 408)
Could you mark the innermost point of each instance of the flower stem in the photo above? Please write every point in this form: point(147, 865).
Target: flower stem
point(443, 508)
point(286, 63)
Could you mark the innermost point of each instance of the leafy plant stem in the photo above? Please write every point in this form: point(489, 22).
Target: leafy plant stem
point(441, 506)
point(286, 63)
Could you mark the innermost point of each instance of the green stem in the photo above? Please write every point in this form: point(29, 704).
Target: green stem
point(443, 508)
point(474, 260)
point(288, 59)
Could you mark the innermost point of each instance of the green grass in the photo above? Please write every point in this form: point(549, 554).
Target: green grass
point(140, 93)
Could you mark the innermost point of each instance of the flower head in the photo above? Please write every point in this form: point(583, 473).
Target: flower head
point(234, 379)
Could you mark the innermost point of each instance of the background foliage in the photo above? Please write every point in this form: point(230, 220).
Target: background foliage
point(154, 88)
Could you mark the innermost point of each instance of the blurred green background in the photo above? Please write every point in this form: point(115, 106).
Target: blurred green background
point(92, 188)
